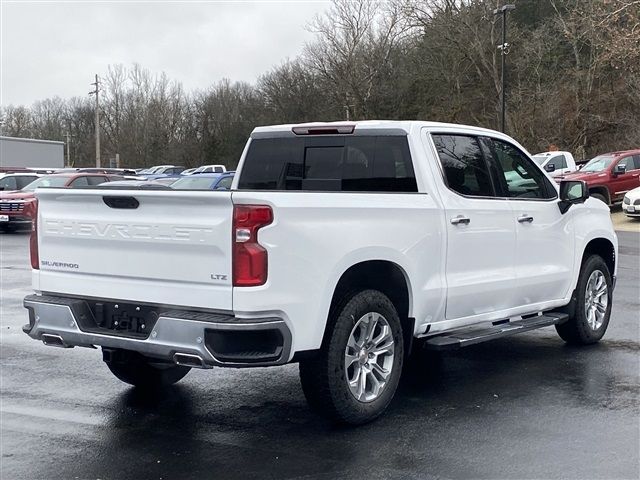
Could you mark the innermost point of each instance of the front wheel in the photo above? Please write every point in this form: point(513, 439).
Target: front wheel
point(593, 304)
point(140, 371)
point(600, 197)
point(356, 373)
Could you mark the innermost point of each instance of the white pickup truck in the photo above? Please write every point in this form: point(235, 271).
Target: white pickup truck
point(556, 163)
point(340, 246)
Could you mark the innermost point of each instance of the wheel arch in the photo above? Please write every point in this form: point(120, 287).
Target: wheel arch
point(385, 276)
point(602, 190)
point(604, 248)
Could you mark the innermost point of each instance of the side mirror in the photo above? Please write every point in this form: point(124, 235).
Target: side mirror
point(620, 169)
point(550, 167)
point(572, 192)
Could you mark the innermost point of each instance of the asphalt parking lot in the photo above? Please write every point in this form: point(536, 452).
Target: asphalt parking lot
point(525, 407)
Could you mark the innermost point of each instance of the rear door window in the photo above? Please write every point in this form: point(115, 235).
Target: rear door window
point(463, 164)
point(332, 163)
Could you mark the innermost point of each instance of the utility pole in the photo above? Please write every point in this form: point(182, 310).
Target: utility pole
point(504, 50)
point(68, 137)
point(96, 92)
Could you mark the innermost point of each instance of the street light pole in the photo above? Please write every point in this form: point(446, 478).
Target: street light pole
point(503, 50)
point(96, 93)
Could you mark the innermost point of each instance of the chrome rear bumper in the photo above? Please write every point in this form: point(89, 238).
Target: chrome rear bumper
point(195, 339)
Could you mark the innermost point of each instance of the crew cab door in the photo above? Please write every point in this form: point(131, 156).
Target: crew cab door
point(544, 236)
point(481, 238)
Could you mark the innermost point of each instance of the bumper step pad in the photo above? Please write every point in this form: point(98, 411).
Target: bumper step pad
point(474, 335)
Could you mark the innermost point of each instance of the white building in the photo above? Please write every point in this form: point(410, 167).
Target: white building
point(27, 152)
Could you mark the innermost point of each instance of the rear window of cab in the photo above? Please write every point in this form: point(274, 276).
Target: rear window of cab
point(331, 164)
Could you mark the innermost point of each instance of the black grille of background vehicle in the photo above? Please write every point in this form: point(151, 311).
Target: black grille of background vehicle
point(11, 207)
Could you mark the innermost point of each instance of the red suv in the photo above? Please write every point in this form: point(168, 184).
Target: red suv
point(610, 175)
point(15, 211)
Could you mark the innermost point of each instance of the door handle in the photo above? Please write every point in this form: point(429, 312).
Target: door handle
point(525, 218)
point(460, 220)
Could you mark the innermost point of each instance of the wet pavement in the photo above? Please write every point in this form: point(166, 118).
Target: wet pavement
point(525, 407)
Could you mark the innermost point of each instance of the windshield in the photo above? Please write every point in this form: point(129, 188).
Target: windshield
point(540, 159)
point(46, 182)
point(598, 163)
point(193, 183)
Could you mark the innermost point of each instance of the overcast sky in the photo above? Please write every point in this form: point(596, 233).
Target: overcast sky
point(54, 48)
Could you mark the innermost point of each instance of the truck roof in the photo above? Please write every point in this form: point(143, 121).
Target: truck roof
point(619, 153)
point(382, 125)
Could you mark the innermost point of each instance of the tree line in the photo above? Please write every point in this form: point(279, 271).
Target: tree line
point(573, 82)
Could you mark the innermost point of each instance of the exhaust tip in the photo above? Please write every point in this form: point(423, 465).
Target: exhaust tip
point(54, 341)
point(189, 360)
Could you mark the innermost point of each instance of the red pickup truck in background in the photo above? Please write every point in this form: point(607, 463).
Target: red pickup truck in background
point(15, 211)
point(610, 175)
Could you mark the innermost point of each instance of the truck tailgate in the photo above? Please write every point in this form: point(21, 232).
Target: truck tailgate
point(148, 246)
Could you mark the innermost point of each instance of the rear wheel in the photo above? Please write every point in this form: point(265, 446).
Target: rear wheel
point(140, 371)
point(356, 373)
point(593, 304)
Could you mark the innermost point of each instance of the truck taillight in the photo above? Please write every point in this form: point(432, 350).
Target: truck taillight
point(31, 210)
point(250, 263)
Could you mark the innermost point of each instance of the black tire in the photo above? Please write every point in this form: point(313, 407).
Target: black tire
point(140, 371)
point(576, 330)
point(324, 376)
point(600, 197)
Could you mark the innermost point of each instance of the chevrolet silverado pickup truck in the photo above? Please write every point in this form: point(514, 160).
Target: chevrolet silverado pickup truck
point(340, 246)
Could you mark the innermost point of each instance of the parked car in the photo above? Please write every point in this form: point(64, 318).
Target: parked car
point(16, 181)
point(152, 170)
point(556, 163)
point(631, 203)
point(110, 171)
point(205, 181)
point(342, 247)
point(14, 206)
point(611, 175)
point(164, 172)
point(188, 171)
point(210, 169)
